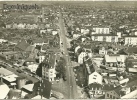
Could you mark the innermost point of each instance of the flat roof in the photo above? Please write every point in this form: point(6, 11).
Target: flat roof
point(11, 78)
point(5, 72)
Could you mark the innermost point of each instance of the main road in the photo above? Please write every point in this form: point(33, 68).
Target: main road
point(71, 83)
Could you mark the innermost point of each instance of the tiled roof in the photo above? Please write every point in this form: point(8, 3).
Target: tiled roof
point(131, 50)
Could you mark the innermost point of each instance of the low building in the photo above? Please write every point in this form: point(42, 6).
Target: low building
point(115, 60)
point(101, 30)
point(81, 56)
point(105, 38)
point(130, 40)
point(102, 51)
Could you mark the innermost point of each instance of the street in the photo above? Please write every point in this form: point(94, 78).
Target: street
point(71, 83)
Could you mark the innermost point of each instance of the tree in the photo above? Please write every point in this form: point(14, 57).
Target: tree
point(39, 70)
point(60, 68)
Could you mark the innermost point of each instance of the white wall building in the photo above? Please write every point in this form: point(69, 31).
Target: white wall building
point(105, 37)
point(95, 78)
point(131, 40)
point(81, 56)
point(101, 30)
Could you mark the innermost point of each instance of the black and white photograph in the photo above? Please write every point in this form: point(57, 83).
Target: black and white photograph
point(68, 49)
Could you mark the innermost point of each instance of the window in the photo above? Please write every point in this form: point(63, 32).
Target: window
point(104, 38)
point(94, 78)
point(95, 38)
point(95, 75)
point(113, 39)
point(107, 95)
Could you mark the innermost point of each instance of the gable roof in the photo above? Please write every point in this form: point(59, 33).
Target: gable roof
point(22, 45)
point(131, 50)
point(45, 86)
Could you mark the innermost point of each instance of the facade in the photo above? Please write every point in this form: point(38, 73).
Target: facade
point(105, 38)
point(48, 67)
point(101, 30)
point(115, 60)
point(131, 40)
point(81, 56)
point(95, 77)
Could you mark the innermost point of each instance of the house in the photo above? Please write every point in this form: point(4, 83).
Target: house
point(48, 67)
point(81, 56)
point(33, 67)
point(121, 92)
point(131, 50)
point(54, 32)
point(4, 90)
point(130, 40)
point(92, 73)
point(95, 77)
point(101, 30)
point(8, 26)
point(43, 31)
point(105, 37)
point(115, 60)
point(40, 42)
point(102, 51)
point(3, 40)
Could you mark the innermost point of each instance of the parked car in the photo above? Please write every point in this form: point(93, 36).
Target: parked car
point(19, 71)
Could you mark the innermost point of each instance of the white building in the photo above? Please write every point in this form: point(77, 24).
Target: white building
point(131, 40)
point(101, 30)
point(33, 67)
point(104, 37)
point(81, 56)
point(95, 77)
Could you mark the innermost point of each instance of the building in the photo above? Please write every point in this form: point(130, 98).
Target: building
point(42, 88)
point(115, 60)
point(105, 38)
point(48, 67)
point(130, 40)
point(4, 90)
point(40, 42)
point(26, 89)
point(33, 67)
point(93, 76)
point(101, 30)
point(102, 51)
point(81, 56)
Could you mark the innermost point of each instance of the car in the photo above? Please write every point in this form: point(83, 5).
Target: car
point(19, 71)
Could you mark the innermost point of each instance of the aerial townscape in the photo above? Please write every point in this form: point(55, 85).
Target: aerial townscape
point(68, 50)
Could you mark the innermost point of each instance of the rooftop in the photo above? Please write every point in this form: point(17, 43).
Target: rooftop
point(5, 72)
